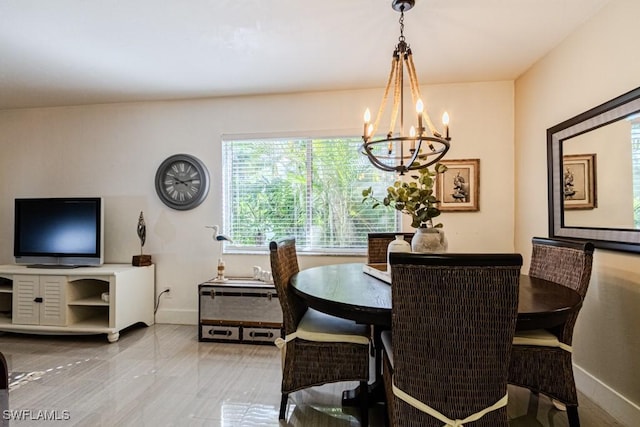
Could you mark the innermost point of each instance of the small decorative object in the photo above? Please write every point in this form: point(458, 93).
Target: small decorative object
point(459, 186)
point(397, 245)
point(430, 240)
point(220, 276)
point(266, 276)
point(257, 272)
point(417, 199)
point(182, 182)
point(220, 238)
point(141, 260)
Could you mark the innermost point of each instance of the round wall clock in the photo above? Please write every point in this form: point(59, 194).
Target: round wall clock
point(182, 182)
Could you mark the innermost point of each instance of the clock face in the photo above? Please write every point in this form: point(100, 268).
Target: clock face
point(182, 182)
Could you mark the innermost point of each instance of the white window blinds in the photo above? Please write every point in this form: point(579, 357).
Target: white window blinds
point(308, 188)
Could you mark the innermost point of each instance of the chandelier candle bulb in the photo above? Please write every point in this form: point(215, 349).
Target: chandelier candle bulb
point(367, 119)
point(419, 110)
point(445, 121)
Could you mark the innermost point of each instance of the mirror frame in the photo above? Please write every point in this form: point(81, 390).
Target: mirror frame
point(627, 240)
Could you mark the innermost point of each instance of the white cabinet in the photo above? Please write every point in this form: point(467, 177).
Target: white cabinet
point(71, 300)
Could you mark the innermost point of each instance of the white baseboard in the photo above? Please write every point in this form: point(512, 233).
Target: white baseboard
point(615, 404)
point(177, 317)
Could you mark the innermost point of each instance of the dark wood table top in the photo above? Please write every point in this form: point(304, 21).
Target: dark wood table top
point(344, 290)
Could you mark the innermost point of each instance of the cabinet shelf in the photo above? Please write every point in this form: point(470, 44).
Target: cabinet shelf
point(91, 301)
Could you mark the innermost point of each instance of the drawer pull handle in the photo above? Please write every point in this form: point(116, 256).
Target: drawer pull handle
point(254, 334)
point(38, 299)
point(226, 333)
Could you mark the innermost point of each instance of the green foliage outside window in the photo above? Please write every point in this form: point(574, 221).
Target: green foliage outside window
point(306, 188)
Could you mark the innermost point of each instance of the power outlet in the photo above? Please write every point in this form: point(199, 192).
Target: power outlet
point(167, 293)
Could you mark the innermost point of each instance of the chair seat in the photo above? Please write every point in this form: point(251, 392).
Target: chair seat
point(318, 326)
point(539, 337)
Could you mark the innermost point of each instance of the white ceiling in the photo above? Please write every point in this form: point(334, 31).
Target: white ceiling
point(71, 52)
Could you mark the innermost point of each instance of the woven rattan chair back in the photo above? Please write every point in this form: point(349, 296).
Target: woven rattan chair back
point(377, 244)
point(454, 317)
point(4, 373)
point(566, 263)
point(284, 264)
point(309, 363)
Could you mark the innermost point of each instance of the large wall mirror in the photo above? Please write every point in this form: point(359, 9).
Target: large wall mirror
point(594, 175)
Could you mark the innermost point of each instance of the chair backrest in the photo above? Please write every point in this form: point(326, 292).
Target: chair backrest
point(377, 244)
point(567, 263)
point(454, 318)
point(284, 264)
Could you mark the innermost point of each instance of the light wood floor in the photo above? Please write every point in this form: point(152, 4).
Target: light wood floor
point(162, 376)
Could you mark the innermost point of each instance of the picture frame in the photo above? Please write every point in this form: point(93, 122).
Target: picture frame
point(579, 173)
point(458, 189)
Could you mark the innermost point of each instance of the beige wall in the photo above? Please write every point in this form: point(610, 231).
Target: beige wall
point(594, 64)
point(114, 150)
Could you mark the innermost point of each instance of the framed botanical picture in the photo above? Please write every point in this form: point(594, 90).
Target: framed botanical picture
point(579, 173)
point(458, 188)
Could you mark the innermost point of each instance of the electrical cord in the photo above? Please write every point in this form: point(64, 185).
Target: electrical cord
point(155, 309)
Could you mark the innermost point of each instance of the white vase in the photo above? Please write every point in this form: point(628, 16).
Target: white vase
point(397, 245)
point(429, 240)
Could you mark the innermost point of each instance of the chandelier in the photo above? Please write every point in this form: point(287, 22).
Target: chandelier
point(424, 145)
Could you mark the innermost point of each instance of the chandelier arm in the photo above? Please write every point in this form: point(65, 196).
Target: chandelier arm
point(414, 84)
point(385, 97)
point(377, 162)
point(396, 97)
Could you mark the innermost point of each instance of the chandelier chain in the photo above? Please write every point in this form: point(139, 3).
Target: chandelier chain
point(401, 38)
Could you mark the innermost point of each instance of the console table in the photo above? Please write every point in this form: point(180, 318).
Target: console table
point(85, 300)
point(239, 310)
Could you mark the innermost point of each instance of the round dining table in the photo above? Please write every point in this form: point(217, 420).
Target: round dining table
point(346, 291)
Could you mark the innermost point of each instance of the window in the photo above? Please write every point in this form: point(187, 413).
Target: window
point(307, 188)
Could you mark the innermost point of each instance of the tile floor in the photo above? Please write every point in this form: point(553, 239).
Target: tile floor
point(162, 376)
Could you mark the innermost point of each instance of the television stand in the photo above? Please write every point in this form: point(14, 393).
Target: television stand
point(51, 300)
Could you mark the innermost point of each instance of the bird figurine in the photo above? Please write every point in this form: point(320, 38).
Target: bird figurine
point(217, 236)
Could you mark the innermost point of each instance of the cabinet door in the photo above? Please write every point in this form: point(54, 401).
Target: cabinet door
point(53, 307)
point(25, 290)
point(39, 300)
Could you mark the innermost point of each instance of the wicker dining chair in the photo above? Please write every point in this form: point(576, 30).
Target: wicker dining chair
point(541, 360)
point(4, 388)
point(318, 348)
point(377, 244)
point(4, 373)
point(454, 317)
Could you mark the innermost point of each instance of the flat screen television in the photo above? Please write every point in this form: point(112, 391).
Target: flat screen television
point(62, 232)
